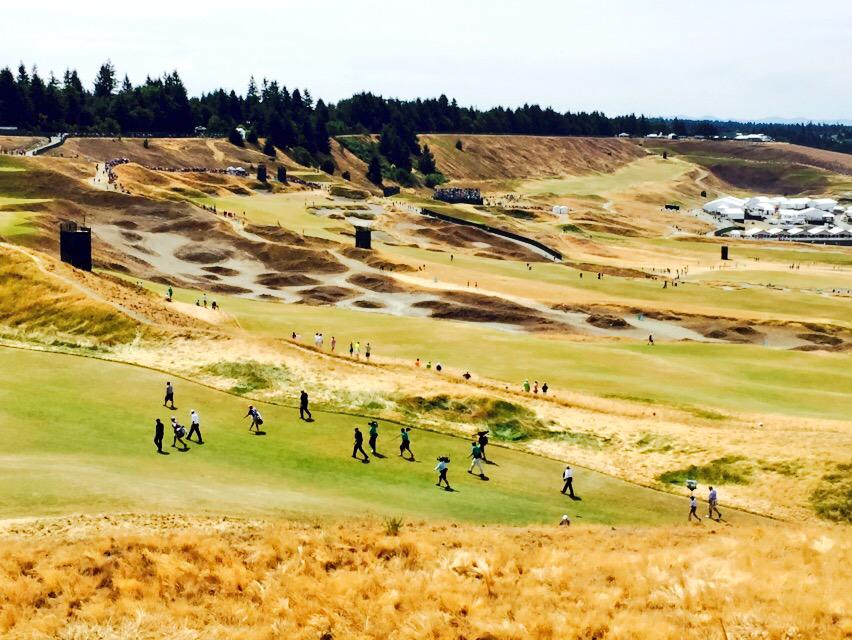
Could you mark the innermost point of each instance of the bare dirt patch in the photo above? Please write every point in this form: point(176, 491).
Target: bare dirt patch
point(326, 295)
point(279, 280)
point(378, 283)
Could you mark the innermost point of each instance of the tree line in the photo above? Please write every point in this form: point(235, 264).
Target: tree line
point(293, 120)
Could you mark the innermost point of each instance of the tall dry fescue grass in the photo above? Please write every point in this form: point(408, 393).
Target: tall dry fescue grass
point(291, 580)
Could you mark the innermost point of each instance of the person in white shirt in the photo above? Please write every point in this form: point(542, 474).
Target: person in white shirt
point(568, 477)
point(693, 509)
point(713, 501)
point(565, 522)
point(194, 426)
point(441, 468)
point(179, 432)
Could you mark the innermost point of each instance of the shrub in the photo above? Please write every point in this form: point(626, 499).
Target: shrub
point(832, 499)
point(327, 166)
point(393, 526)
point(726, 470)
point(434, 179)
point(346, 175)
point(269, 148)
point(251, 136)
point(235, 138)
point(459, 145)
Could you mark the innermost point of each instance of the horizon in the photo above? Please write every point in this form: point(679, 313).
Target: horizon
point(624, 66)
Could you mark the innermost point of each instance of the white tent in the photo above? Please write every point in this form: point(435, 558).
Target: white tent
point(755, 201)
point(794, 231)
point(754, 231)
point(714, 206)
point(781, 201)
point(798, 203)
point(814, 215)
point(826, 204)
point(816, 231)
point(732, 213)
point(789, 215)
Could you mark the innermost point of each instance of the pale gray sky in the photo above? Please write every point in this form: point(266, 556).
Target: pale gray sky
point(725, 58)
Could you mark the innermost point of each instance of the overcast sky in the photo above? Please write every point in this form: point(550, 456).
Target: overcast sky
point(743, 59)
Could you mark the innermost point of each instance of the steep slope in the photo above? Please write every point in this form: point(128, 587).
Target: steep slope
point(492, 157)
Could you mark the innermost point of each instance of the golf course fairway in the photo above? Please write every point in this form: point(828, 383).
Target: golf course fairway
point(78, 436)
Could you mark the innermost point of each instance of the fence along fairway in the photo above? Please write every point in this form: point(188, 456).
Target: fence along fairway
point(78, 434)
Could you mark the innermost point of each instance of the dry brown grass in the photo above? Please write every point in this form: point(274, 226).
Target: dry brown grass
point(493, 157)
point(170, 578)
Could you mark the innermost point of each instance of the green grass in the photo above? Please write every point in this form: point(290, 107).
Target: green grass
point(704, 377)
point(727, 470)
point(247, 375)
point(650, 169)
point(832, 499)
point(77, 435)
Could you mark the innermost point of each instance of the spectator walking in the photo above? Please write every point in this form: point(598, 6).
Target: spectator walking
point(568, 478)
point(367, 351)
point(170, 396)
point(713, 504)
point(526, 386)
point(374, 435)
point(359, 445)
point(159, 432)
point(303, 406)
point(441, 468)
point(476, 459)
point(405, 443)
point(482, 438)
point(544, 388)
point(194, 426)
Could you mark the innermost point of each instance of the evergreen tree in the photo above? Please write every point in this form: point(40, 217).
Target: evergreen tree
point(269, 148)
point(426, 162)
point(374, 170)
point(105, 80)
point(236, 138)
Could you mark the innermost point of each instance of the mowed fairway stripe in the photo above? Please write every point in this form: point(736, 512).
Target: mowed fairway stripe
point(77, 437)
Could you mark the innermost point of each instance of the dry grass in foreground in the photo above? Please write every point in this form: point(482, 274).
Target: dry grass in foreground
point(164, 577)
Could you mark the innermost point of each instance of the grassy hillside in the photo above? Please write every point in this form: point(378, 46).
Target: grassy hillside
point(220, 579)
point(490, 157)
point(82, 444)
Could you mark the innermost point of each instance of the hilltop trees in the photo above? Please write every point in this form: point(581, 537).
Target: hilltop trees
point(426, 163)
point(294, 121)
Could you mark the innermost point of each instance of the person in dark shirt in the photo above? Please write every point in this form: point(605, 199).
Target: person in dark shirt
point(159, 431)
point(303, 406)
point(359, 445)
point(374, 435)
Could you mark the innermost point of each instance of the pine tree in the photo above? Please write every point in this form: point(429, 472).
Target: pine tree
point(374, 170)
point(236, 138)
point(105, 80)
point(426, 162)
point(269, 148)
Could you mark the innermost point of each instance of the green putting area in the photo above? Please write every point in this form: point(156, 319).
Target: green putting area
point(78, 434)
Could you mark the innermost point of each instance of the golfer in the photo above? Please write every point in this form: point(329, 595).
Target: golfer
point(359, 445)
point(194, 426)
point(170, 396)
point(568, 477)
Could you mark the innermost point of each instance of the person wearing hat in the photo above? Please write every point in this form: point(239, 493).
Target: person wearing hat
point(179, 432)
point(194, 426)
point(565, 522)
